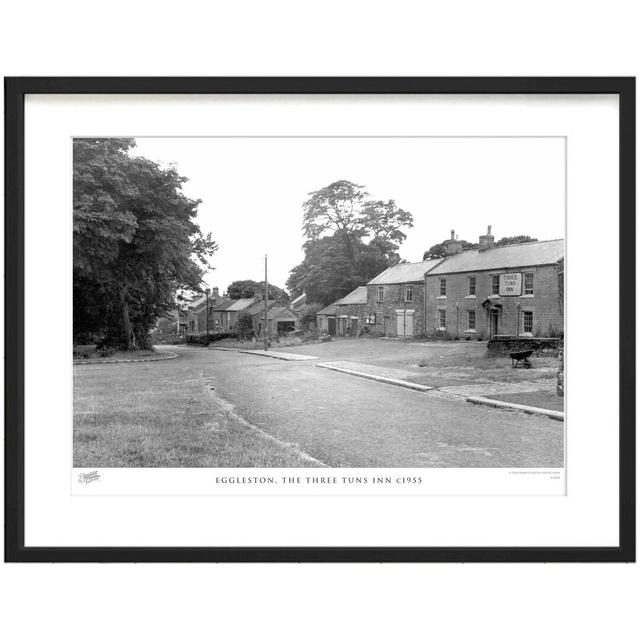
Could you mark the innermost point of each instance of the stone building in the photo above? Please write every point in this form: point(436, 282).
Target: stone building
point(256, 311)
point(232, 311)
point(199, 309)
point(514, 290)
point(352, 313)
point(396, 301)
point(326, 320)
point(219, 318)
point(280, 320)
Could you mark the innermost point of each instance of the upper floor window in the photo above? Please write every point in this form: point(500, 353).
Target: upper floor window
point(472, 285)
point(528, 284)
point(495, 285)
point(408, 293)
point(443, 286)
point(380, 294)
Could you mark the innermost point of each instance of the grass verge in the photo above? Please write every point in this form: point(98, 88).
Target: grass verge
point(164, 415)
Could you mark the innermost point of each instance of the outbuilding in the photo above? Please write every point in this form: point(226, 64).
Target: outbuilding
point(326, 320)
point(351, 312)
point(280, 320)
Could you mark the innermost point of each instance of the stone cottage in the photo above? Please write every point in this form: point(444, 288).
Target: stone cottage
point(326, 320)
point(396, 302)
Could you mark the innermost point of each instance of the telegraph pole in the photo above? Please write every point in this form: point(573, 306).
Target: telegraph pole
point(207, 316)
point(266, 295)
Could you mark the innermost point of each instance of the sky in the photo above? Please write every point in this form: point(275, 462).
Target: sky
point(252, 190)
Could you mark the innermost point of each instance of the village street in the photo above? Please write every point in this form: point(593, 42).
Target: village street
point(327, 417)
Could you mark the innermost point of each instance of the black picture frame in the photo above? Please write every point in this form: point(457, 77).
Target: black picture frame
point(15, 91)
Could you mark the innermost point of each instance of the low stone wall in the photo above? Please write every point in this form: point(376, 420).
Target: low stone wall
point(503, 345)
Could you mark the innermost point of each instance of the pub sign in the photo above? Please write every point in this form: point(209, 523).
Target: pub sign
point(510, 284)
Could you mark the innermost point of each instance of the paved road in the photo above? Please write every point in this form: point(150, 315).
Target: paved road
point(342, 420)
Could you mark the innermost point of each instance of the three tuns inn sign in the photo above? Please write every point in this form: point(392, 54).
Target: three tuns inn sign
point(510, 284)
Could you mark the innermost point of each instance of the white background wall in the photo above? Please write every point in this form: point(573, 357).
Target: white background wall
point(328, 38)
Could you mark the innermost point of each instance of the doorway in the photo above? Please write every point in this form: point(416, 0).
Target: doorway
point(493, 323)
point(404, 324)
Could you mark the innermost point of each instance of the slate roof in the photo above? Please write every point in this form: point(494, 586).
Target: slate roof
point(198, 302)
point(407, 272)
point(224, 305)
point(528, 254)
point(327, 311)
point(241, 304)
point(357, 296)
point(258, 307)
point(276, 312)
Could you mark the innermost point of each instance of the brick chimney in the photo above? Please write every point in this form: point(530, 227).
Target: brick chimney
point(215, 293)
point(486, 241)
point(453, 246)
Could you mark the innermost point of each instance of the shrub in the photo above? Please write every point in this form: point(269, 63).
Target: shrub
point(214, 337)
point(244, 325)
point(308, 316)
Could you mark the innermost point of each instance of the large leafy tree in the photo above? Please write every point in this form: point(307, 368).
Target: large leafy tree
point(440, 250)
point(135, 242)
point(249, 288)
point(336, 207)
point(507, 240)
point(350, 239)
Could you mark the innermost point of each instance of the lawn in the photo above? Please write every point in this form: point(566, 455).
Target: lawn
point(449, 362)
point(533, 399)
point(164, 414)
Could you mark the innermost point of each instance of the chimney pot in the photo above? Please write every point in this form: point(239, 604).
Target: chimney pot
point(486, 241)
point(453, 246)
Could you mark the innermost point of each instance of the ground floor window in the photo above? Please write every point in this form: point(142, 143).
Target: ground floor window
point(442, 318)
point(527, 321)
point(471, 320)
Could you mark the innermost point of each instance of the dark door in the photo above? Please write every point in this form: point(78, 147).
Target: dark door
point(493, 317)
point(332, 326)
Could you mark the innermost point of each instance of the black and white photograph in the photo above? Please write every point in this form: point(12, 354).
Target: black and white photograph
point(320, 320)
point(360, 316)
point(322, 301)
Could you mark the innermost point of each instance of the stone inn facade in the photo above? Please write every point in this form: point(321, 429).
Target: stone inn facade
point(515, 290)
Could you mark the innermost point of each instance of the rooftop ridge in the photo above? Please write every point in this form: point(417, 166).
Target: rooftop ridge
point(506, 246)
